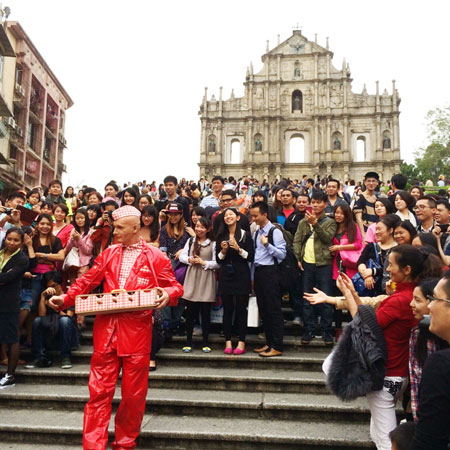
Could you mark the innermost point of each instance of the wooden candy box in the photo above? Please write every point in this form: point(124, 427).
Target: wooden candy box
point(117, 301)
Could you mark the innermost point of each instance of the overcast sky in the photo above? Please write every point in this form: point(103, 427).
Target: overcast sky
point(136, 70)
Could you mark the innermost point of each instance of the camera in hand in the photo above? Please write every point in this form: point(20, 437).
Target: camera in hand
point(8, 211)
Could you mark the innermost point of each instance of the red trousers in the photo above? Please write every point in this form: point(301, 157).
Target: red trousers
point(105, 368)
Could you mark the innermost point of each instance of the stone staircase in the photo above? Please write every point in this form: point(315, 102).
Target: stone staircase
point(196, 401)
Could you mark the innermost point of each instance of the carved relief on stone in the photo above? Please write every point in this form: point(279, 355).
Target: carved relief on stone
point(322, 96)
point(258, 98)
point(273, 98)
point(322, 66)
point(336, 99)
point(285, 100)
point(296, 46)
point(309, 99)
point(273, 67)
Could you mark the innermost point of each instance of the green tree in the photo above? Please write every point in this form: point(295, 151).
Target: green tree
point(438, 125)
point(434, 159)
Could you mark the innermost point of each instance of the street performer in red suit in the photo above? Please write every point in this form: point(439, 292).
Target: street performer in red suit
point(121, 340)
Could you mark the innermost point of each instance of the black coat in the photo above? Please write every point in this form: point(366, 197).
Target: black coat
point(11, 282)
point(234, 272)
point(358, 361)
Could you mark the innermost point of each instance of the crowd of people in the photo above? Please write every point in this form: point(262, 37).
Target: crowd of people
point(327, 246)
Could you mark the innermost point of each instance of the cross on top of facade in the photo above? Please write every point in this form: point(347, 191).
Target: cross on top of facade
point(297, 27)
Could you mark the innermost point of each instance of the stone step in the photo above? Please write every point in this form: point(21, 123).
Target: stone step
point(206, 403)
point(166, 432)
point(210, 378)
point(290, 360)
point(25, 446)
point(217, 341)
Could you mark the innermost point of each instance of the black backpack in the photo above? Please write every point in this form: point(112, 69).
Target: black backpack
point(288, 270)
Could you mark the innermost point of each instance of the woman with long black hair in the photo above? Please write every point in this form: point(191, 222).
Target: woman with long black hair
point(199, 254)
point(13, 265)
point(150, 227)
point(234, 253)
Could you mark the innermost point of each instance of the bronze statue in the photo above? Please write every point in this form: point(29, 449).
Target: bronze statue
point(258, 145)
point(337, 144)
point(386, 142)
point(212, 146)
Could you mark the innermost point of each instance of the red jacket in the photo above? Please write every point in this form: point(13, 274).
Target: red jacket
point(395, 317)
point(133, 329)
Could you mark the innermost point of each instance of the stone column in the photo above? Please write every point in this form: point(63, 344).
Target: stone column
point(279, 144)
point(220, 147)
point(278, 98)
point(249, 140)
point(316, 152)
point(346, 140)
point(203, 143)
point(327, 95)
point(328, 140)
point(379, 150)
point(266, 148)
point(396, 136)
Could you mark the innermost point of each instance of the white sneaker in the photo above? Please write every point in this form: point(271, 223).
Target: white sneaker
point(7, 381)
point(296, 321)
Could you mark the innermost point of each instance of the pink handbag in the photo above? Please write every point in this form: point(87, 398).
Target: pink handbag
point(117, 301)
point(350, 258)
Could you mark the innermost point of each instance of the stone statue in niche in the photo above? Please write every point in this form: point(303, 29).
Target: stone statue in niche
point(212, 146)
point(297, 72)
point(297, 103)
point(258, 145)
point(337, 144)
point(386, 142)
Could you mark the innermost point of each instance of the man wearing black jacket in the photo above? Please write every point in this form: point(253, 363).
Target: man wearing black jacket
point(433, 428)
point(170, 186)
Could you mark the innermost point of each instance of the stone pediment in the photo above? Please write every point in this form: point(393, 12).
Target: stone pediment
point(297, 44)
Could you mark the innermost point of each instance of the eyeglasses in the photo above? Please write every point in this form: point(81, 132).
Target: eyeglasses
point(421, 207)
point(225, 200)
point(432, 298)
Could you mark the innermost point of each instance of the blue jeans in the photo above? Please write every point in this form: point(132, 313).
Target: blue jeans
point(66, 338)
point(172, 314)
point(321, 278)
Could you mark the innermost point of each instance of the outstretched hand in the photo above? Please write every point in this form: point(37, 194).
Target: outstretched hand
point(316, 298)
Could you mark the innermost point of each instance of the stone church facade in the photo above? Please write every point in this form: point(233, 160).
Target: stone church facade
point(299, 116)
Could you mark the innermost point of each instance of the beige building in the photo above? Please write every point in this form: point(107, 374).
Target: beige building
point(299, 116)
point(33, 144)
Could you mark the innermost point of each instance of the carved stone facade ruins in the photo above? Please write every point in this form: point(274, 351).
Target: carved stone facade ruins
point(299, 116)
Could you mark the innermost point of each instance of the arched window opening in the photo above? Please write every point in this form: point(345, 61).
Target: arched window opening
point(360, 149)
point(297, 101)
point(235, 151)
point(297, 150)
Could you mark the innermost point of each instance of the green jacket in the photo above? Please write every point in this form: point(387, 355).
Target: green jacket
point(324, 231)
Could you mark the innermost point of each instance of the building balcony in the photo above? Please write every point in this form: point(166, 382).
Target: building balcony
point(50, 132)
point(35, 117)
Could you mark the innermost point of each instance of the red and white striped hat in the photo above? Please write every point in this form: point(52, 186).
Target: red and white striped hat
point(125, 211)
